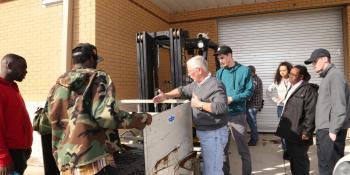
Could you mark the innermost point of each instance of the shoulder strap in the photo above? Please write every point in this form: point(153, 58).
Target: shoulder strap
point(220, 74)
point(46, 107)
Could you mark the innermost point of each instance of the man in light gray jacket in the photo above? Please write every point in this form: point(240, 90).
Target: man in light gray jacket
point(209, 112)
point(332, 111)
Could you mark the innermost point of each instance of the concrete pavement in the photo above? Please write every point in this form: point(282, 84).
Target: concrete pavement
point(266, 158)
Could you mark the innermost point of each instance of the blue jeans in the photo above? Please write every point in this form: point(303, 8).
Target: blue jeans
point(213, 144)
point(251, 119)
point(279, 115)
point(279, 111)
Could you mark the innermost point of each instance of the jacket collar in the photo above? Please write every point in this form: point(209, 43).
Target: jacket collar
point(305, 83)
point(325, 71)
point(234, 68)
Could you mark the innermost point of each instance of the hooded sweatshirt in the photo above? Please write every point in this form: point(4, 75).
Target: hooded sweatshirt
point(16, 130)
point(239, 86)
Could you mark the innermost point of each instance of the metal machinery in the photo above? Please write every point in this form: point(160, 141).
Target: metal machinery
point(177, 41)
point(166, 147)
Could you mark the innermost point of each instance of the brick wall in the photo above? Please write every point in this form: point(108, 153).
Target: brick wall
point(164, 71)
point(84, 21)
point(34, 32)
point(117, 22)
point(257, 8)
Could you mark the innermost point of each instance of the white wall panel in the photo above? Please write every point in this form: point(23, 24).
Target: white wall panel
point(266, 40)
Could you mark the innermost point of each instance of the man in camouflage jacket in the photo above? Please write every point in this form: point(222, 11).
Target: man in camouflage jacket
point(85, 117)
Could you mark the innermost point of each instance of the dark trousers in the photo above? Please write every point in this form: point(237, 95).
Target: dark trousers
point(19, 158)
point(298, 158)
point(108, 170)
point(329, 152)
point(50, 166)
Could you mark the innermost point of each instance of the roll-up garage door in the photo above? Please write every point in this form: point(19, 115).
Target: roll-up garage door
point(266, 40)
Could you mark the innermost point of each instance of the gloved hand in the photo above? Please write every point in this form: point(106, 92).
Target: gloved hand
point(140, 120)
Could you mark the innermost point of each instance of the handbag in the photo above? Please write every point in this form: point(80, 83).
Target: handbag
point(41, 122)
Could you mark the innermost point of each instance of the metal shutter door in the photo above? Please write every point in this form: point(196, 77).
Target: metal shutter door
point(266, 40)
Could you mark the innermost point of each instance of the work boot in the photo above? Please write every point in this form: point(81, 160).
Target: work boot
point(286, 156)
point(252, 143)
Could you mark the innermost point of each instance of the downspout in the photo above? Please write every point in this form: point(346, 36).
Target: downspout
point(67, 30)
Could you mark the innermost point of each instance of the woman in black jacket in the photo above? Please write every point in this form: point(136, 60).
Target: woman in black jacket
point(297, 123)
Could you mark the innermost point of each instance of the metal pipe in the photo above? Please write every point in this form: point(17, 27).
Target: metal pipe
point(67, 30)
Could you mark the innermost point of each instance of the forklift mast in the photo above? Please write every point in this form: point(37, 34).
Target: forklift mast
point(177, 41)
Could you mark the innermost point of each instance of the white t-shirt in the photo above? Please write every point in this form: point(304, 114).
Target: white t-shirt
point(291, 90)
point(281, 90)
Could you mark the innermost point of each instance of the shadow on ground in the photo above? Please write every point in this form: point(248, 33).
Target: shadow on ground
point(266, 158)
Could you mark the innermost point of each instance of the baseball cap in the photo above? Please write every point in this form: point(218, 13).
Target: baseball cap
point(223, 50)
point(317, 54)
point(86, 50)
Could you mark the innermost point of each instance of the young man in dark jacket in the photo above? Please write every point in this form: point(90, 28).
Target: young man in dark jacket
point(297, 123)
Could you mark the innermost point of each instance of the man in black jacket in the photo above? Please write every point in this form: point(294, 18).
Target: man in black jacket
point(297, 123)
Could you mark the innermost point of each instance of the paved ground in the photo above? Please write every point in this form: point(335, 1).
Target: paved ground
point(266, 157)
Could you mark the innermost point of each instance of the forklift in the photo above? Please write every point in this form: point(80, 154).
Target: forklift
point(177, 41)
point(149, 45)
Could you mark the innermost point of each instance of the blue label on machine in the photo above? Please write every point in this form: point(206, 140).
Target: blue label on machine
point(171, 118)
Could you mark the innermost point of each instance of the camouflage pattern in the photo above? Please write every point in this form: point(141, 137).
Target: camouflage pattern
point(41, 122)
point(85, 117)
